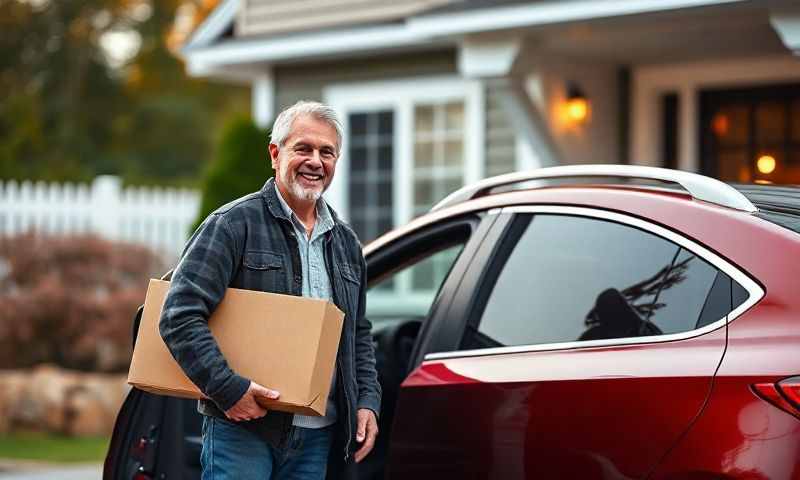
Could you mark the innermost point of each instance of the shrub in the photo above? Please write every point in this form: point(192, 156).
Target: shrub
point(241, 165)
point(70, 300)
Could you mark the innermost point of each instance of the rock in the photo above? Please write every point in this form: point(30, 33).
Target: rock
point(11, 387)
point(92, 407)
point(50, 399)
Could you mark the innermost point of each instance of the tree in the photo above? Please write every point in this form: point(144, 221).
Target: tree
point(240, 167)
point(168, 133)
point(68, 112)
point(58, 94)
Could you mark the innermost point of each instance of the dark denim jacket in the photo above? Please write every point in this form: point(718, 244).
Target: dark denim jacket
point(250, 244)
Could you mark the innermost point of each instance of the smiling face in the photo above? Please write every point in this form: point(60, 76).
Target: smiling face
point(305, 164)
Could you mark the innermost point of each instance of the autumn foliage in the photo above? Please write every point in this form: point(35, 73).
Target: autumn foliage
point(70, 300)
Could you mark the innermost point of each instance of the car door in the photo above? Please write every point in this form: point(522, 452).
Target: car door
point(154, 436)
point(581, 344)
point(410, 280)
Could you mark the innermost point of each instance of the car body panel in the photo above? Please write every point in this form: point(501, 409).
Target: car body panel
point(607, 412)
point(751, 438)
point(593, 412)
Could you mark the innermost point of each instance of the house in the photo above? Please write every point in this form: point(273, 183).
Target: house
point(439, 93)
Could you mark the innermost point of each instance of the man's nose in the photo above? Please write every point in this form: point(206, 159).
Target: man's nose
point(315, 160)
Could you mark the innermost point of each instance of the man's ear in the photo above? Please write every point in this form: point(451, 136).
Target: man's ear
point(273, 154)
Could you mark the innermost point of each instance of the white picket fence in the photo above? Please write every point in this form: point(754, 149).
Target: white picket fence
point(159, 218)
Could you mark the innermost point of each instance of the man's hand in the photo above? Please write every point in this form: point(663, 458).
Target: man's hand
point(366, 433)
point(247, 408)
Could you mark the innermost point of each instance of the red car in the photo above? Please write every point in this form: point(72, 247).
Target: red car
point(611, 330)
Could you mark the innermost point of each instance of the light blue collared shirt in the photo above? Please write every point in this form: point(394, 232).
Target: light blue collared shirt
point(316, 284)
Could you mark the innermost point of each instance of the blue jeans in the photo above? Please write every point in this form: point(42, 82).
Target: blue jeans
point(231, 452)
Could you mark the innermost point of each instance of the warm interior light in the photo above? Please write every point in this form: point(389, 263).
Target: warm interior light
point(577, 109)
point(766, 164)
point(720, 124)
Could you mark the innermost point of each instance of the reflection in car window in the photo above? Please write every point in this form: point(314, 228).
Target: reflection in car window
point(683, 294)
point(571, 278)
point(410, 292)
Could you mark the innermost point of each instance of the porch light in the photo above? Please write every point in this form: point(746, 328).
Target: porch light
point(766, 164)
point(577, 105)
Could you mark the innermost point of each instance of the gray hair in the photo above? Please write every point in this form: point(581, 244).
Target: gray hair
point(320, 111)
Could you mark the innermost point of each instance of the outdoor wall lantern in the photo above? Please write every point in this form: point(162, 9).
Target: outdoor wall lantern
point(576, 106)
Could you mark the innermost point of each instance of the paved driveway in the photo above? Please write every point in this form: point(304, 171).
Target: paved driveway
point(79, 472)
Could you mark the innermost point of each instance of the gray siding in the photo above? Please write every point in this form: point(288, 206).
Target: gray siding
point(500, 136)
point(267, 17)
point(306, 81)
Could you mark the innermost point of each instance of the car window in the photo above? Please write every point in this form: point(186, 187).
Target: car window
point(567, 278)
point(410, 291)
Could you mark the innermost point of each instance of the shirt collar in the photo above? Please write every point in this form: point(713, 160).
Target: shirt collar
point(324, 218)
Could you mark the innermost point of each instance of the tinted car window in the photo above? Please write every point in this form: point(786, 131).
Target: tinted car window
point(567, 278)
point(682, 293)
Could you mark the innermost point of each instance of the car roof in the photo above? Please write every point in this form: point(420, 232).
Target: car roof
point(777, 205)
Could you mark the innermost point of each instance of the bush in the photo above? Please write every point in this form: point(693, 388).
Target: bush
point(70, 301)
point(241, 166)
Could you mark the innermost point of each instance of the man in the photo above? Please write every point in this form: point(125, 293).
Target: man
point(283, 239)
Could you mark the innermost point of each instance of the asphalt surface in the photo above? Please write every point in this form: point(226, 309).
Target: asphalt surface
point(54, 472)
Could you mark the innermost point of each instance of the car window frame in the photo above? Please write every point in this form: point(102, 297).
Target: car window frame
point(494, 252)
point(478, 223)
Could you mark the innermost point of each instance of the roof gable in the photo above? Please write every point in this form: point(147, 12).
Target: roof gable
point(218, 22)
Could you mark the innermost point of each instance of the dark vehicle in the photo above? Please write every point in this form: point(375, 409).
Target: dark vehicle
point(612, 330)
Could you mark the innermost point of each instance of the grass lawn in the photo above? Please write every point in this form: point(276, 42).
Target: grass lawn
point(52, 448)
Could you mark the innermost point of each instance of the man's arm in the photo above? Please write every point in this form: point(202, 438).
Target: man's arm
point(198, 285)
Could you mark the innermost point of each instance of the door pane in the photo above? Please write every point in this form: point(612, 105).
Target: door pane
point(795, 114)
point(371, 163)
point(770, 123)
point(734, 165)
point(438, 152)
point(730, 125)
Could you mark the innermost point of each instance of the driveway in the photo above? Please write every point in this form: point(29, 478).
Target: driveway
point(22, 471)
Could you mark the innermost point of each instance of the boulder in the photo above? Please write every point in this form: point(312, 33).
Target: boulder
point(50, 399)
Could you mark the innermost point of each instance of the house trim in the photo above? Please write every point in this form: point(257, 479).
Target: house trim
point(215, 25)
point(345, 42)
point(401, 95)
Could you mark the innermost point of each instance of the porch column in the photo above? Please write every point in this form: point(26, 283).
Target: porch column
point(263, 99)
point(491, 61)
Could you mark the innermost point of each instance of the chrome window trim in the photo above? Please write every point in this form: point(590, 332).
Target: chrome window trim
point(755, 291)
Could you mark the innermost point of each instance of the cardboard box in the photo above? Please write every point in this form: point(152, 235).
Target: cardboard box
point(282, 342)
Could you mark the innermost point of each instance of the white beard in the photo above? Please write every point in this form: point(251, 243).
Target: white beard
point(297, 190)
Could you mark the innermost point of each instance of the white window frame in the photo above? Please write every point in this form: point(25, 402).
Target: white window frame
point(401, 96)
